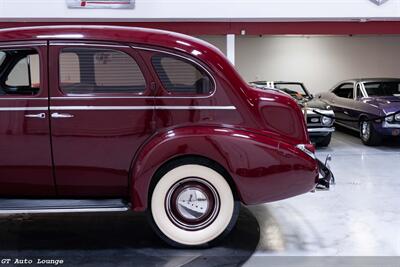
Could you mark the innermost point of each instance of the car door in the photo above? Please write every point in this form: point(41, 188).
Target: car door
point(25, 151)
point(101, 113)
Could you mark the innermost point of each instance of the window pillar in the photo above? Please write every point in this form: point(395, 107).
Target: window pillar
point(230, 47)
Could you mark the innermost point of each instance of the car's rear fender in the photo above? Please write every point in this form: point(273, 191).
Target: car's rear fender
point(262, 168)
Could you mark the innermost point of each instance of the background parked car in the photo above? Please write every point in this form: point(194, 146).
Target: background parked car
point(319, 127)
point(356, 101)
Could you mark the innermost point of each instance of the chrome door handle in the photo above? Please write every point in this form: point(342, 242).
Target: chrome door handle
point(345, 112)
point(57, 115)
point(39, 115)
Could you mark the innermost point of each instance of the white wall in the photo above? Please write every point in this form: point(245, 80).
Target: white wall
point(217, 40)
point(320, 62)
point(239, 10)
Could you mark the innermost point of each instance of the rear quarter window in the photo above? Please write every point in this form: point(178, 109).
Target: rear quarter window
point(181, 76)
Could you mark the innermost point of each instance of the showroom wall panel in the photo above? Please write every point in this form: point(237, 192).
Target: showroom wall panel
point(318, 61)
point(217, 41)
point(205, 10)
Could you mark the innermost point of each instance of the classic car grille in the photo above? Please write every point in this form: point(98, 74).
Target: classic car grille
point(313, 119)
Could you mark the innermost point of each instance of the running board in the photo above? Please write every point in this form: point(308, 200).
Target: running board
point(17, 206)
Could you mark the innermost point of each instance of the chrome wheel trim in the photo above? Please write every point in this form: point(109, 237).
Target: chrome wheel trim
point(365, 130)
point(192, 204)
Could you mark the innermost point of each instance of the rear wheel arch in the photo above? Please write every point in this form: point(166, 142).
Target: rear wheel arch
point(362, 118)
point(161, 150)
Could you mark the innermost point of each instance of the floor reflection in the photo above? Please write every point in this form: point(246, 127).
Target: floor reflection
point(118, 239)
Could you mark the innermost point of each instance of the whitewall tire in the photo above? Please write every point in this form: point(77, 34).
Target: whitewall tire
point(192, 205)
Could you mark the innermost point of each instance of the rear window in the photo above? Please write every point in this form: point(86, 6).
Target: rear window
point(20, 69)
point(94, 70)
point(181, 76)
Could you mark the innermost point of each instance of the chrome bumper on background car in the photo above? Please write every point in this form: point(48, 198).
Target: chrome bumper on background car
point(386, 124)
point(321, 130)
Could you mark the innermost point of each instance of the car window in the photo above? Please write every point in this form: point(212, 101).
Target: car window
point(382, 88)
point(296, 90)
point(180, 76)
point(20, 72)
point(94, 70)
point(344, 91)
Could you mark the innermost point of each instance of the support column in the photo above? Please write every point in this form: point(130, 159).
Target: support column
point(230, 47)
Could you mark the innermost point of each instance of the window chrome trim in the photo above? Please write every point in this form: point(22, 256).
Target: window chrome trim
point(23, 108)
point(55, 43)
point(195, 107)
point(23, 98)
point(26, 45)
point(188, 59)
point(142, 108)
point(363, 90)
point(118, 108)
point(98, 97)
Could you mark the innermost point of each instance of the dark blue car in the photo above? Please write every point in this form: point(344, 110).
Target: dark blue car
point(358, 100)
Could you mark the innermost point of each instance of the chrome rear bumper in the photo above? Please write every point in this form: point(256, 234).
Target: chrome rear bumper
point(326, 177)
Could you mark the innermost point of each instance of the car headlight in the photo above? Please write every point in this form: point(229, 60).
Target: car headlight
point(397, 117)
point(389, 119)
point(326, 120)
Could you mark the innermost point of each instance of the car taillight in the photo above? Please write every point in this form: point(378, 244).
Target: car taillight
point(309, 149)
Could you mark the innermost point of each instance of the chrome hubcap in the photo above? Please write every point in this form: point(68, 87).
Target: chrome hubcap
point(192, 203)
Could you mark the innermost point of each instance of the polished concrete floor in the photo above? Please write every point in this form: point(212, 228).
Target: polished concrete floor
point(360, 216)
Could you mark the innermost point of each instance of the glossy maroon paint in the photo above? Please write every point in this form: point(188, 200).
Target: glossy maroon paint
point(25, 152)
point(93, 150)
point(116, 153)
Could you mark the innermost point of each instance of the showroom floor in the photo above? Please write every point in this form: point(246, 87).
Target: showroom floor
point(358, 217)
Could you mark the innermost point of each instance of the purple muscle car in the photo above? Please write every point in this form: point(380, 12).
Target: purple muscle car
point(358, 100)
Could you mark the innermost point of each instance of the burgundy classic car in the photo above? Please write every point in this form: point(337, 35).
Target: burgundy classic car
point(96, 119)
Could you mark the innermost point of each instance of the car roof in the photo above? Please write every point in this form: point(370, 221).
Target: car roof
point(369, 80)
point(135, 35)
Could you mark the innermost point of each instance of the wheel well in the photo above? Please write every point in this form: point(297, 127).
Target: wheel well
point(191, 159)
point(361, 118)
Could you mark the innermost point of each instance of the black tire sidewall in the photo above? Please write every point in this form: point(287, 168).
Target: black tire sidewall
point(325, 141)
point(374, 137)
